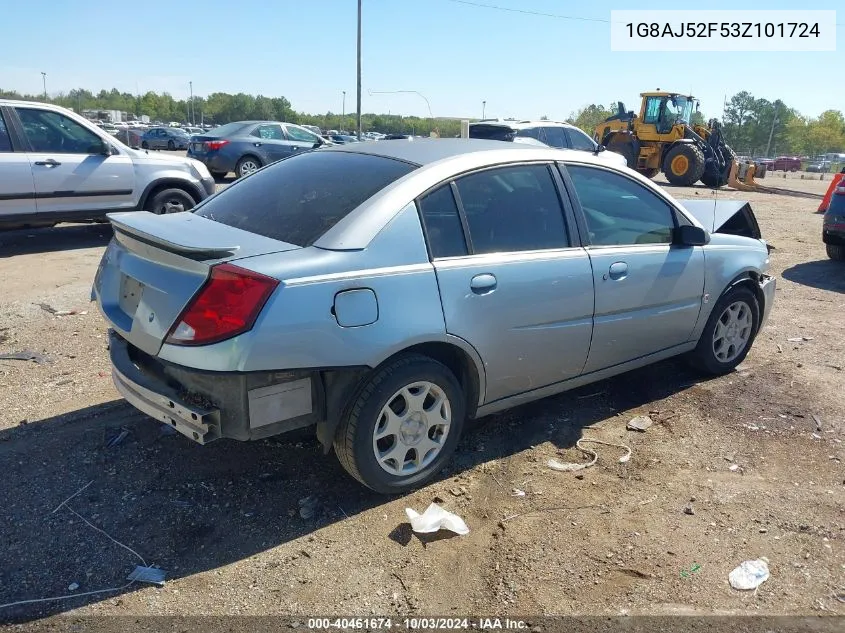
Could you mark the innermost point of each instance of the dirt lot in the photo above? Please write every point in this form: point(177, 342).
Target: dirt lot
point(755, 458)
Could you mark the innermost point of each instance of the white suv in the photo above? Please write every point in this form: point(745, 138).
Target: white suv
point(551, 133)
point(56, 166)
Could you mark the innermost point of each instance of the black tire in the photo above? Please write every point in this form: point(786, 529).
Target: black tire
point(703, 357)
point(714, 179)
point(683, 164)
point(219, 175)
point(245, 160)
point(626, 149)
point(145, 145)
point(353, 441)
point(171, 145)
point(836, 251)
point(170, 201)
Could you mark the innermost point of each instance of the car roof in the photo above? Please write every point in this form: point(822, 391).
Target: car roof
point(430, 150)
point(521, 125)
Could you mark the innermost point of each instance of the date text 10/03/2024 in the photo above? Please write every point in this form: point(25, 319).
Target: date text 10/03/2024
point(723, 29)
point(418, 624)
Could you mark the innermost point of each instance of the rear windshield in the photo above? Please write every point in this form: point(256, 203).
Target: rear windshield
point(298, 199)
point(492, 132)
point(225, 130)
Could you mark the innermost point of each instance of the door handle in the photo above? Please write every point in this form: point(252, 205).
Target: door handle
point(50, 162)
point(483, 284)
point(617, 271)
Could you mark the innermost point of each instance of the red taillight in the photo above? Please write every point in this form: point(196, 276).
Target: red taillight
point(226, 305)
point(214, 145)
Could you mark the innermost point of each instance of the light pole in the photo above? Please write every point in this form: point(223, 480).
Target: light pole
point(44, 78)
point(772, 130)
point(191, 84)
point(343, 113)
point(483, 109)
point(359, 71)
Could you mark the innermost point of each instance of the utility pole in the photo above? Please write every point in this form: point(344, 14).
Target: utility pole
point(772, 131)
point(44, 77)
point(193, 120)
point(483, 109)
point(343, 113)
point(359, 70)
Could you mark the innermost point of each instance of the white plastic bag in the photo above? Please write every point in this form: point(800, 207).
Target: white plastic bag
point(749, 575)
point(435, 518)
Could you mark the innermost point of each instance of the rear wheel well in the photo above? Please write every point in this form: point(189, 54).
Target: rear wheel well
point(172, 183)
point(459, 363)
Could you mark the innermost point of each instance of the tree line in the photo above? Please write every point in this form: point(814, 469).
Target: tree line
point(752, 126)
point(222, 107)
point(755, 127)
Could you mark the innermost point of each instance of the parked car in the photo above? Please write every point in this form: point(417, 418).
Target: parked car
point(171, 138)
point(396, 137)
point(190, 131)
point(819, 167)
point(56, 166)
point(550, 133)
point(782, 163)
point(342, 139)
point(314, 128)
point(833, 224)
point(337, 289)
point(245, 146)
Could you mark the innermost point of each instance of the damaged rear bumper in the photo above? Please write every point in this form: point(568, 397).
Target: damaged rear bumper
point(768, 285)
point(205, 406)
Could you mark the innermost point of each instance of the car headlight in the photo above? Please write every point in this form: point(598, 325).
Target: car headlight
point(199, 169)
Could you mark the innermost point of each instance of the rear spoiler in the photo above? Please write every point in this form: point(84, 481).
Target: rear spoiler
point(169, 232)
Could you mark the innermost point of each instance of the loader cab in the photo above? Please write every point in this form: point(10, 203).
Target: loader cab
point(664, 110)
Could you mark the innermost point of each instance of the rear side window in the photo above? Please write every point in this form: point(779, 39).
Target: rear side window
point(443, 223)
point(556, 137)
point(581, 141)
point(298, 199)
point(226, 130)
point(5, 141)
point(513, 209)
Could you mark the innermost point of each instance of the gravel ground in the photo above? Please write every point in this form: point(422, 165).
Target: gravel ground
point(734, 468)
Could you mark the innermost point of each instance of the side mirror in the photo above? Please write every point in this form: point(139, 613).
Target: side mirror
point(691, 236)
point(103, 148)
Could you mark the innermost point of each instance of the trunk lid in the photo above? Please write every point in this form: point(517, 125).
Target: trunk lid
point(155, 264)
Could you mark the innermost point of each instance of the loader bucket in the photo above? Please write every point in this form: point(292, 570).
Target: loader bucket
point(745, 182)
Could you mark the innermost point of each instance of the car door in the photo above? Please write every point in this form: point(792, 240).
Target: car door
point(271, 144)
point(555, 136)
point(74, 168)
point(513, 281)
point(17, 189)
point(648, 290)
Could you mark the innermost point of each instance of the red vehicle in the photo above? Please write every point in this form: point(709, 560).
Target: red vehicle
point(782, 163)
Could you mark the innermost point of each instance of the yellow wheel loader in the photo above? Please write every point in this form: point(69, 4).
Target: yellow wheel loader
point(662, 138)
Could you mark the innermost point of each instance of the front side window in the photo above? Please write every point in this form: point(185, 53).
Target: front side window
point(442, 223)
point(52, 132)
point(580, 141)
point(298, 134)
point(620, 211)
point(5, 141)
point(269, 132)
point(513, 209)
point(555, 137)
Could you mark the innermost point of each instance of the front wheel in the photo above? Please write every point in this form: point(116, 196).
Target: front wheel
point(171, 145)
point(170, 201)
point(729, 333)
point(403, 426)
point(145, 145)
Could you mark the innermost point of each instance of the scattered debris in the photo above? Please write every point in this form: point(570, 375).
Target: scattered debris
point(151, 575)
point(686, 573)
point(518, 493)
point(73, 586)
point(640, 423)
point(688, 509)
point(47, 308)
point(818, 422)
point(733, 468)
point(117, 439)
point(799, 339)
point(434, 519)
point(26, 355)
point(816, 436)
point(455, 492)
point(308, 507)
point(569, 466)
point(750, 574)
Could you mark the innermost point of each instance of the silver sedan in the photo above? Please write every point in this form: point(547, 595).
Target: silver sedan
point(384, 293)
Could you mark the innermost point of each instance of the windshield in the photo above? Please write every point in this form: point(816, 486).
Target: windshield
point(680, 108)
point(492, 132)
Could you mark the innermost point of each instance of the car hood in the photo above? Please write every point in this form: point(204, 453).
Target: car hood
point(733, 217)
point(158, 157)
